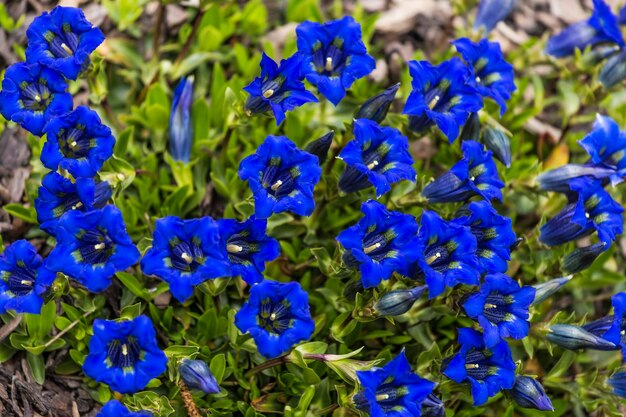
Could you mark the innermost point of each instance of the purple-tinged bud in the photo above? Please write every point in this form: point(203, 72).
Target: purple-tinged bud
point(433, 407)
point(614, 70)
point(582, 258)
point(498, 142)
point(558, 179)
point(471, 128)
point(376, 108)
point(197, 375)
point(617, 381)
point(319, 147)
point(573, 337)
point(528, 393)
point(181, 128)
point(491, 12)
point(546, 289)
point(598, 54)
point(102, 194)
point(398, 302)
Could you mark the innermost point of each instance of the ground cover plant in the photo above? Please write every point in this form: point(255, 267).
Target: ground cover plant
point(312, 208)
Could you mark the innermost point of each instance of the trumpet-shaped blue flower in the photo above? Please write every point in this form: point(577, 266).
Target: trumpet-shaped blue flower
point(393, 390)
point(494, 76)
point(124, 354)
point(381, 243)
point(181, 127)
point(443, 95)
point(487, 369)
point(333, 55)
point(58, 195)
point(558, 179)
point(501, 308)
point(185, 253)
point(602, 26)
point(612, 328)
point(377, 156)
point(276, 316)
point(617, 381)
point(448, 254)
point(32, 95)
point(279, 88)
point(606, 145)
point(92, 246)
point(528, 393)
point(491, 12)
point(593, 210)
point(248, 247)
point(282, 177)
point(62, 40)
point(494, 235)
point(475, 174)
point(115, 408)
point(77, 142)
point(23, 279)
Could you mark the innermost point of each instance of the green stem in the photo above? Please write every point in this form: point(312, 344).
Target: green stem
point(266, 365)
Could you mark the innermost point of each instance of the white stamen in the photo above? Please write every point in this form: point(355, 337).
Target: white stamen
point(587, 215)
point(490, 305)
point(37, 98)
point(124, 349)
point(186, 257)
point(372, 165)
point(273, 316)
point(372, 248)
point(73, 144)
point(66, 49)
point(329, 64)
point(268, 93)
point(472, 366)
point(77, 205)
point(434, 102)
point(477, 79)
point(99, 246)
point(276, 185)
point(26, 282)
point(472, 178)
point(233, 248)
point(382, 397)
point(432, 259)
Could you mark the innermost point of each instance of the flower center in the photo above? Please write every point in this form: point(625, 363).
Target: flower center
point(497, 307)
point(95, 247)
point(477, 364)
point(35, 96)
point(20, 281)
point(187, 256)
point(73, 142)
point(331, 60)
point(438, 256)
point(240, 248)
point(124, 353)
point(275, 317)
point(279, 180)
point(62, 45)
point(376, 244)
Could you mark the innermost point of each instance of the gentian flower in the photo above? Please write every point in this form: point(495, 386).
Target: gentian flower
point(613, 71)
point(494, 235)
point(333, 55)
point(114, 408)
point(612, 328)
point(32, 95)
point(320, 146)
point(602, 26)
point(381, 243)
point(124, 354)
point(558, 179)
point(197, 375)
point(92, 246)
point(185, 253)
point(279, 88)
point(181, 127)
point(571, 337)
point(276, 316)
point(377, 156)
point(606, 146)
point(23, 279)
point(442, 95)
point(77, 142)
point(488, 369)
point(448, 254)
point(62, 40)
point(546, 289)
point(498, 142)
point(582, 258)
point(397, 302)
point(475, 174)
point(593, 210)
point(282, 177)
point(247, 247)
point(494, 76)
point(501, 308)
point(377, 107)
point(433, 407)
point(393, 390)
point(491, 12)
point(617, 381)
point(58, 195)
point(528, 393)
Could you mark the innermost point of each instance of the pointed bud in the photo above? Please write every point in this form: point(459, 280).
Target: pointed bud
point(498, 142)
point(376, 108)
point(491, 12)
point(319, 147)
point(573, 337)
point(558, 179)
point(546, 289)
point(471, 129)
point(582, 258)
point(614, 70)
point(618, 383)
point(181, 128)
point(398, 302)
point(433, 407)
point(599, 54)
point(197, 375)
point(353, 287)
point(528, 393)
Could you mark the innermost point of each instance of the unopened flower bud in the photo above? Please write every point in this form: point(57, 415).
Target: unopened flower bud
point(471, 129)
point(197, 375)
point(614, 70)
point(398, 302)
point(618, 383)
point(573, 337)
point(181, 128)
point(498, 142)
point(376, 108)
point(546, 289)
point(319, 147)
point(528, 393)
point(582, 258)
point(433, 407)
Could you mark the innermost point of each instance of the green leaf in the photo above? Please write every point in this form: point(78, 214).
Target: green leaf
point(37, 367)
point(218, 367)
point(28, 214)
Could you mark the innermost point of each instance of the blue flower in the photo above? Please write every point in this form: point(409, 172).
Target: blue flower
point(114, 408)
point(528, 393)
point(282, 177)
point(197, 375)
point(494, 235)
point(433, 407)
point(376, 156)
point(23, 279)
point(248, 247)
point(181, 127)
point(593, 210)
point(62, 40)
point(381, 243)
point(333, 55)
point(491, 12)
point(558, 179)
point(32, 95)
point(185, 253)
point(443, 95)
point(493, 75)
point(617, 381)
point(58, 195)
point(602, 26)
point(320, 146)
point(610, 328)
point(545, 290)
point(124, 354)
point(606, 145)
point(279, 88)
point(77, 142)
point(276, 316)
point(448, 254)
point(92, 246)
point(501, 308)
point(475, 174)
point(377, 107)
point(571, 337)
point(393, 390)
point(488, 369)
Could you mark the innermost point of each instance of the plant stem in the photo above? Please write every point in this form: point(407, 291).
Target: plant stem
point(266, 365)
point(190, 405)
